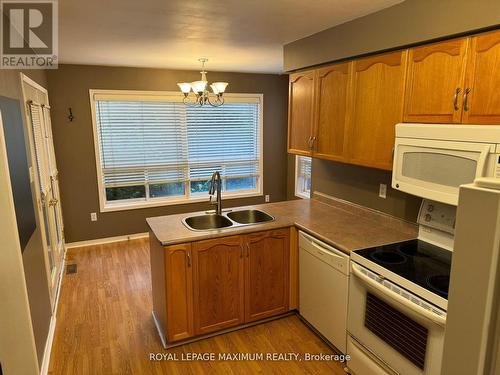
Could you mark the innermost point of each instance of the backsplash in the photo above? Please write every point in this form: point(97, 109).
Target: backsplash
point(360, 185)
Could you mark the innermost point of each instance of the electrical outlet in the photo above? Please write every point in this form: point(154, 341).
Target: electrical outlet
point(93, 216)
point(382, 191)
point(268, 198)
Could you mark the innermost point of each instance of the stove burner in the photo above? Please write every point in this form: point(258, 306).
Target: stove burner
point(439, 283)
point(388, 257)
point(411, 250)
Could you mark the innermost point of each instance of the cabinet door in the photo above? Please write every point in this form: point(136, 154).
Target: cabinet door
point(435, 82)
point(218, 284)
point(267, 274)
point(331, 100)
point(179, 279)
point(376, 106)
point(481, 101)
point(300, 112)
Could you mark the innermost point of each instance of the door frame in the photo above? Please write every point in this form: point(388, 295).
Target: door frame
point(53, 278)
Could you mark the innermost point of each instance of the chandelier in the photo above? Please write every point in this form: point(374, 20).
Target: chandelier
point(201, 95)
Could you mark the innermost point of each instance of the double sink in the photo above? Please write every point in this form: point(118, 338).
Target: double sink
point(226, 220)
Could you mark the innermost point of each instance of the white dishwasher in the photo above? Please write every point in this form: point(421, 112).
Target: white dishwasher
point(323, 289)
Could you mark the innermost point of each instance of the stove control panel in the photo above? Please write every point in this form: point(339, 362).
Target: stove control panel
point(437, 215)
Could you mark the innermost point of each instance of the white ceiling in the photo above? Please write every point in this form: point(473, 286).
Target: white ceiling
point(235, 35)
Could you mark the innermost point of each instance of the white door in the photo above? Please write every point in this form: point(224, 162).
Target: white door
point(46, 176)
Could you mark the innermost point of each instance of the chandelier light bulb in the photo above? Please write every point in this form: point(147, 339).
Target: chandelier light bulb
point(185, 87)
point(219, 86)
point(199, 86)
point(201, 95)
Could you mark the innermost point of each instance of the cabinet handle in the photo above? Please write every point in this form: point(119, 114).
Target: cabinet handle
point(455, 98)
point(189, 258)
point(248, 250)
point(309, 142)
point(313, 139)
point(241, 251)
point(466, 97)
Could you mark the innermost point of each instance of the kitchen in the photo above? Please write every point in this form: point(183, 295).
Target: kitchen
point(308, 198)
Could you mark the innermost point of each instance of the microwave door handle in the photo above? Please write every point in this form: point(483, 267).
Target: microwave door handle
point(481, 162)
point(440, 320)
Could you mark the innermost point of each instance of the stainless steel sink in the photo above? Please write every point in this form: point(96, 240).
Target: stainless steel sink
point(207, 222)
point(249, 216)
point(227, 220)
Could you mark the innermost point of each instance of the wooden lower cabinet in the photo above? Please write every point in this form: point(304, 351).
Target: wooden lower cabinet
point(211, 285)
point(218, 284)
point(179, 280)
point(266, 274)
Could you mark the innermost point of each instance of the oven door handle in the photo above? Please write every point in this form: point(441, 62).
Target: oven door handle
point(396, 297)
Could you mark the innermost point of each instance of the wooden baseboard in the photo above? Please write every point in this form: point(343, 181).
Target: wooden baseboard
point(100, 241)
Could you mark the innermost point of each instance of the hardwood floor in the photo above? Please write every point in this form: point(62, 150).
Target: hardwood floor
point(104, 325)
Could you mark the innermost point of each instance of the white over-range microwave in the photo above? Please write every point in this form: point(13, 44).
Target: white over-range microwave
point(433, 160)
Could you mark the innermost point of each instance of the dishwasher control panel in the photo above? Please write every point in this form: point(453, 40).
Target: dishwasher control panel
point(324, 252)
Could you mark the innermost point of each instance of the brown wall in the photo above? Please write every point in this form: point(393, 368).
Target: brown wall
point(74, 146)
point(361, 185)
point(33, 256)
point(412, 21)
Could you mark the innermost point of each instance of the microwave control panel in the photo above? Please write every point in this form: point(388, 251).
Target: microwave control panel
point(437, 215)
point(497, 167)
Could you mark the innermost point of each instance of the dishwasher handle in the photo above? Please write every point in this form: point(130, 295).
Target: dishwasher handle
point(335, 258)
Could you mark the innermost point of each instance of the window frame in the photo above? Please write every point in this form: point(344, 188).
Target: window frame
point(298, 193)
point(188, 197)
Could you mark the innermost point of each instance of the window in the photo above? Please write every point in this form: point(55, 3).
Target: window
point(303, 177)
point(151, 149)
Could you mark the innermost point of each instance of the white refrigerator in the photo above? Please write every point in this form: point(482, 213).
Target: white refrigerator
point(472, 333)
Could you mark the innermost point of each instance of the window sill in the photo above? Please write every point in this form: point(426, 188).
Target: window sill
point(302, 196)
point(111, 207)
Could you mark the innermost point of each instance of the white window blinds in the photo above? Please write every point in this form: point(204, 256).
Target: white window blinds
point(141, 142)
point(39, 141)
point(303, 176)
point(155, 147)
point(225, 139)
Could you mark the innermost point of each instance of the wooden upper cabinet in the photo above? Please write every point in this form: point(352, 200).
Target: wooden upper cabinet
point(267, 274)
point(300, 112)
point(435, 82)
point(330, 108)
point(218, 279)
point(481, 101)
point(377, 99)
point(179, 279)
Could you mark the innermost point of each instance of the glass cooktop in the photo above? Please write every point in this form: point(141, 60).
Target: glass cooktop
point(415, 260)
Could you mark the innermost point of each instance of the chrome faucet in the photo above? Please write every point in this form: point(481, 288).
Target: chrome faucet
point(218, 203)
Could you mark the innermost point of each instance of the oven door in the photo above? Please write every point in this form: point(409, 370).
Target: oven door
point(399, 329)
point(435, 169)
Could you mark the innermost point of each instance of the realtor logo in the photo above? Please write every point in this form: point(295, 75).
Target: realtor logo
point(29, 34)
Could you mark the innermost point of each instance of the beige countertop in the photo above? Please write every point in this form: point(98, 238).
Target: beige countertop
point(341, 224)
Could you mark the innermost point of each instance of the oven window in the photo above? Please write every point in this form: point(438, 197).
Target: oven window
point(441, 169)
point(403, 334)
